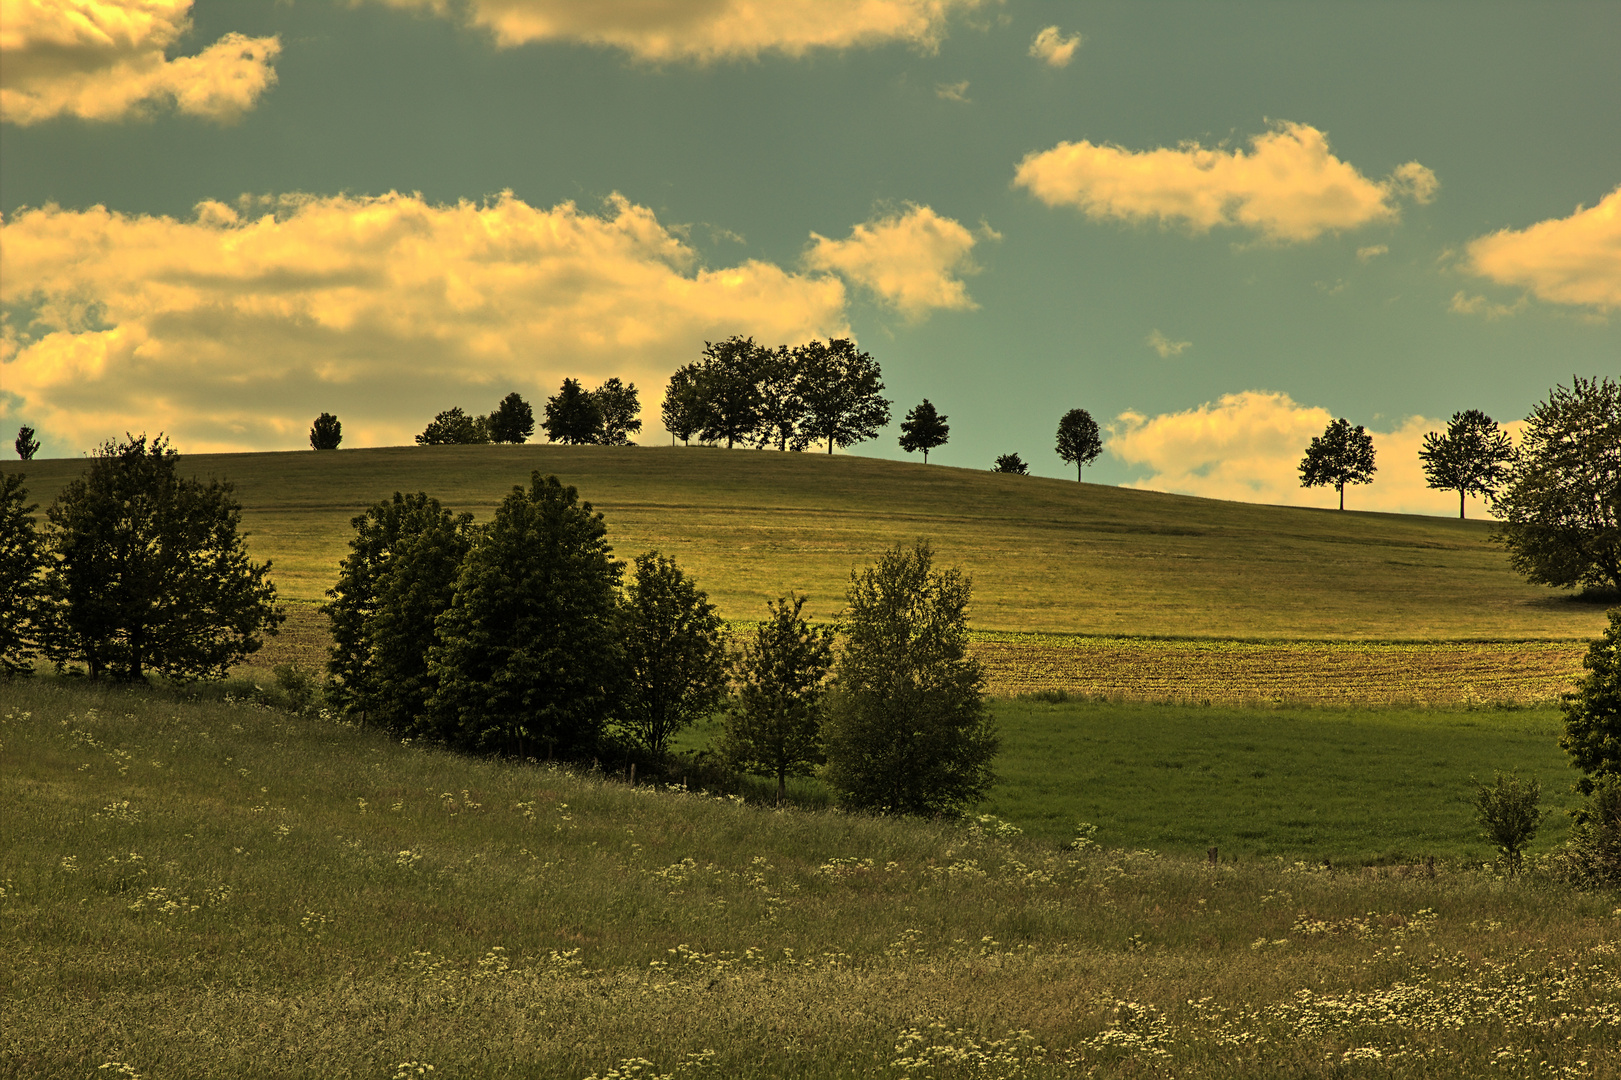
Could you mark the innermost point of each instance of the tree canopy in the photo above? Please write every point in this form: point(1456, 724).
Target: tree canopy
point(22, 557)
point(1472, 457)
point(621, 410)
point(682, 411)
point(513, 420)
point(675, 653)
point(454, 427)
point(573, 415)
point(728, 389)
point(924, 429)
point(1592, 735)
point(842, 394)
point(326, 433)
point(774, 723)
point(1340, 455)
point(1078, 440)
point(26, 445)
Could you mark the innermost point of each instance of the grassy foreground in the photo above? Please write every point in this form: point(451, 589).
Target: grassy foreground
point(206, 890)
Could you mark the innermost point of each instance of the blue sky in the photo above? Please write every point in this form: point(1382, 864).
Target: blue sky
point(1213, 225)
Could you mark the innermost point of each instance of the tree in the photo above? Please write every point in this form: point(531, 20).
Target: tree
point(728, 389)
point(1011, 463)
point(398, 577)
point(326, 433)
point(908, 730)
point(513, 421)
point(27, 446)
point(149, 572)
point(573, 415)
point(1561, 504)
point(782, 401)
point(1592, 711)
point(22, 557)
point(1078, 440)
point(527, 652)
point(1472, 456)
point(682, 411)
point(774, 723)
point(621, 412)
point(675, 653)
point(453, 427)
point(841, 394)
point(924, 429)
point(1340, 455)
point(1509, 814)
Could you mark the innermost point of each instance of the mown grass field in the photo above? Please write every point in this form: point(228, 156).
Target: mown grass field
point(204, 889)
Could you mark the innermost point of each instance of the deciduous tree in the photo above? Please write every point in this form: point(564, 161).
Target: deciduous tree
point(782, 399)
point(774, 723)
point(326, 433)
point(1592, 735)
point(682, 411)
point(1078, 440)
point(675, 653)
point(22, 558)
point(1010, 463)
point(621, 412)
point(453, 427)
point(924, 429)
point(513, 420)
point(1340, 455)
point(842, 394)
point(573, 415)
point(728, 389)
point(1472, 457)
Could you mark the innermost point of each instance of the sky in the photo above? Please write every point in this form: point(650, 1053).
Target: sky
point(1216, 226)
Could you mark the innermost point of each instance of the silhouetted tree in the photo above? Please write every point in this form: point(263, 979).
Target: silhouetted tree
point(1473, 456)
point(1078, 440)
point(782, 399)
point(728, 389)
point(453, 427)
point(513, 420)
point(27, 446)
point(774, 723)
point(924, 429)
point(621, 412)
point(682, 411)
point(573, 415)
point(22, 557)
point(326, 433)
point(842, 394)
point(1340, 455)
point(675, 653)
point(1011, 463)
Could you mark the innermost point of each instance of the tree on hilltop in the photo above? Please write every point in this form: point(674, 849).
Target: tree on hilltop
point(782, 399)
point(26, 445)
point(454, 427)
point(513, 420)
point(1340, 455)
point(573, 415)
point(620, 409)
point(1473, 456)
point(1011, 463)
point(728, 389)
point(842, 394)
point(1078, 440)
point(326, 433)
point(924, 429)
point(682, 411)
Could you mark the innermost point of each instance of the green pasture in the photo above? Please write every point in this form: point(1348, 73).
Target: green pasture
point(1046, 555)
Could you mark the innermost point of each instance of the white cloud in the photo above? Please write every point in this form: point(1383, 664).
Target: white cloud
point(1464, 304)
point(104, 60)
point(1247, 447)
point(910, 260)
point(1051, 47)
point(232, 330)
point(952, 91)
point(707, 30)
point(1288, 187)
point(1371, 252)
point(1572, 260)
point(1165, 346)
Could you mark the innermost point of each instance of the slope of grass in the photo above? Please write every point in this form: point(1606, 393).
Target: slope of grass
point(1046, 555)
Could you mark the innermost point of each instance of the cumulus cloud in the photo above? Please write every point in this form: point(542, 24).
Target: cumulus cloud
point(1571, 260)
point(233, 329)
point(957, 91)
point(707, 30)
point(1247, 447)
point(104, 60)
point(1165, 346)
point(911, 261)
point(1287, 187)
point(1053, 48)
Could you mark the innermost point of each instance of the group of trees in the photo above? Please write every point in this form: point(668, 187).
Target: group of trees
point(1079, 444)
point(513, 421)
point(606, 416)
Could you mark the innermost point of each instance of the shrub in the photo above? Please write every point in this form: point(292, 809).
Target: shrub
point(1593, 711)
point(1509, 813)
point(1594, 849)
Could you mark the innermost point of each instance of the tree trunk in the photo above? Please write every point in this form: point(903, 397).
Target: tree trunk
point(830, 444)
point(1342, 496)
point(1078, 467)
point(782, 785)
point(1460, 504)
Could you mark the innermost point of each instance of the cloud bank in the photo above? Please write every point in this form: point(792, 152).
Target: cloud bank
point(1572, 260)
point(232, 330)
point(1052, 48)
point(910, 261)
point(1288, 187)
point(104, 60)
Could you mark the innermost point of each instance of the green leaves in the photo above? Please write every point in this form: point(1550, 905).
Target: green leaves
point(1340, 455)
point(674, 646)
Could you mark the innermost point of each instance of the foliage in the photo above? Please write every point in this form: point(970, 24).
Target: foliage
point(513, 420)
point(908, 730)
point(682, 411)
point(573, 415)
point(1079, 442)
point(773, 725)
point(674, 652)
point(842, 394)
point(398, 577)
point(453, 427)
point(1509, 812)
point(1472, 456)
point(148, 571)
point(22, 558)
point(1592, 735)
point(1594, 848)
point(924, 429)
point(782, 399)
point(26, 445)
point(1340, 455)
point(526, 657)
point(1010, 463)
point(326, 433)
point(620, 409)
point(728, 389)
point(1561, 504)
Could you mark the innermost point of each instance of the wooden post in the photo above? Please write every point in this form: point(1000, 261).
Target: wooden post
point(1212, 854)
point(633, 774)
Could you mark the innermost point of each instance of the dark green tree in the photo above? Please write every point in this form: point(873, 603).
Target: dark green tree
point(513, 421)
point(148, 571)
point(924, 429)
point(682, 411)
point(842, 394)
point(1592, 711)
point(326, 433)
point(1340, 455)
point(782, 401)
point(728, 389)
point(908, 730)
point(1509, 812)
point(573, 415)
point(398, 577)
point(773, 725)
point(674, 652)
point(453, 427)
point(527, 656)
point(1011, 463)
point(27, 446)
point(1473, 456)
point(22, 558)
point(621, 412)
point(1079, 442)
point(1560, 507)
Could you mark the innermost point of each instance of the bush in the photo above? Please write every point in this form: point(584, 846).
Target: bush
point(1593, 711)
point(1509, 813)
point(1594, 849)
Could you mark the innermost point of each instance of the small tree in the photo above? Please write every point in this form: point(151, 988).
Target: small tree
point(1594, 848)
point(924, 429)
point(1340, 455)
point(675, 653)
point(149, 572)
point(621, 412)
point(1011, 463)
point(774, 723)
point(453, 427)
point(908, 730)
point(682, 411)
point(1561, 504)
point(22, 557)
point(1509, 814)
point(326, 433)
point(1472, 456)
point(842, 394)
point(1592, 735)
point(573, 415)
point(27, 446)
point(513, 420)
point(1078, 440)
point(728, 389)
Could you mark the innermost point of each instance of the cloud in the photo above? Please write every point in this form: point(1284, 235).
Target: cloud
point(707, 30)
point(1464, 304)
point(1371, 252)
point(910, 260)
point(1165, 346)
point(1572, 260)
point(952, 91)
point(1247, 447)
point(233, 329)
point(1053, 48)
point(1288, 187)
point(104, 60)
